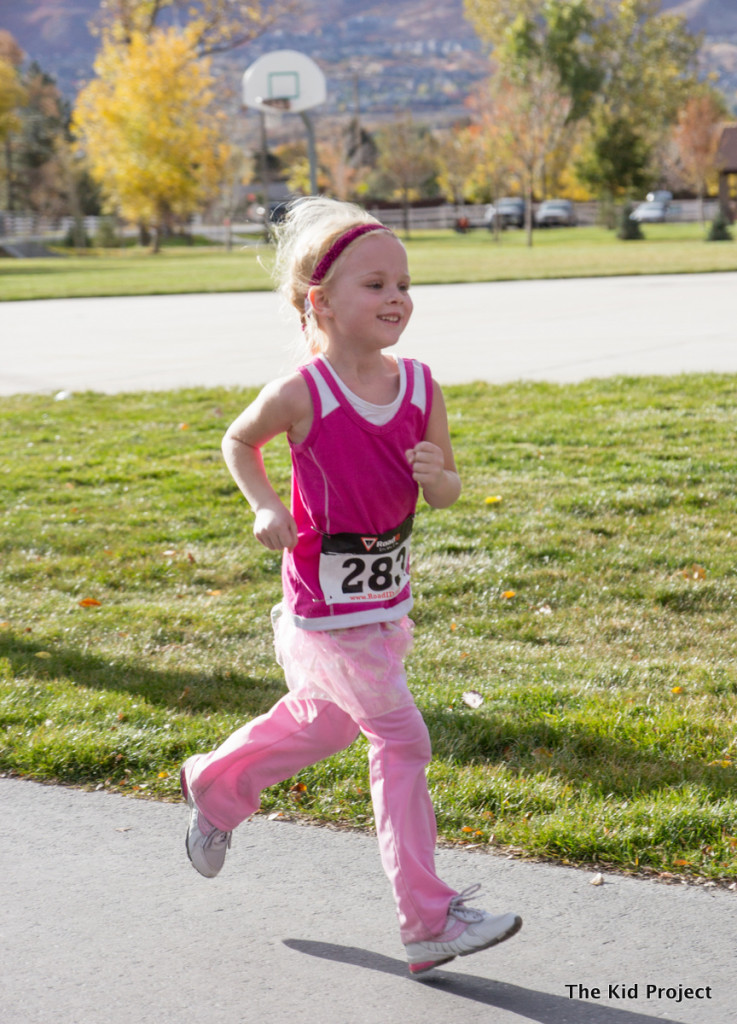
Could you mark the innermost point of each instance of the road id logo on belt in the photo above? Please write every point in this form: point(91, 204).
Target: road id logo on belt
point(359, 568)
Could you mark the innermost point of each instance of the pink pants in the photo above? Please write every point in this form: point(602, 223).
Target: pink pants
point(297, 732)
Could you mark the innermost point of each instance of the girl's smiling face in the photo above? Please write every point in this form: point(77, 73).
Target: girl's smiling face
point(366, 301)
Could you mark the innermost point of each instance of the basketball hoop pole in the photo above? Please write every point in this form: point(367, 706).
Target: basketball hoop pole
point(264, 160)
point(311, 151)
point(285, 81)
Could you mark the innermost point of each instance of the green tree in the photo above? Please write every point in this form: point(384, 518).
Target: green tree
point(616, 162)
point(492, 19)
point(649, 64)
point(532, 35)
point(648, 59)
point(625, 64)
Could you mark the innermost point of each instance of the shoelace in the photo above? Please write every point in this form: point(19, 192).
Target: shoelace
point(458, 906)
point(216, 838)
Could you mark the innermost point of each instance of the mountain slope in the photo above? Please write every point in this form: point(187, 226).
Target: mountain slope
point(55, 33)
point(716, 18)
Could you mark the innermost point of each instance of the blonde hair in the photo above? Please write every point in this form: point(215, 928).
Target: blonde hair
point(311, 227)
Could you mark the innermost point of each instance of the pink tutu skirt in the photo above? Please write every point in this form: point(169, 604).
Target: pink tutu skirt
point(360, 668)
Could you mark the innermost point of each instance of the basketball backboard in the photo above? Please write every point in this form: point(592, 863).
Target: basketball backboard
point(284, 80)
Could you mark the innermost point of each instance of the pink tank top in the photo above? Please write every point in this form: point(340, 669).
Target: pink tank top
point(353, 499)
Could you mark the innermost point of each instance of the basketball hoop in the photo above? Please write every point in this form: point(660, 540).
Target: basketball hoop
point(284, 81)
point(276, 102)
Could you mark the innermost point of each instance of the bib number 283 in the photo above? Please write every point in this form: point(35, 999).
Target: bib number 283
point(356, 568)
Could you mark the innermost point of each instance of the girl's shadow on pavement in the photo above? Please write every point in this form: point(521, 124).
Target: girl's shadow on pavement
point(526, 1003)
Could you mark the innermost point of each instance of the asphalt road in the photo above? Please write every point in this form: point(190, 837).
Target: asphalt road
point(537, 330)
point(104, 921)
point(102, 918)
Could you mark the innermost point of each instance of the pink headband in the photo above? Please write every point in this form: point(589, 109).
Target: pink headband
point(338, 246)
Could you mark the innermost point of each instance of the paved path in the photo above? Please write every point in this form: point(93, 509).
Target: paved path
point(102, 919)
point(542, 330)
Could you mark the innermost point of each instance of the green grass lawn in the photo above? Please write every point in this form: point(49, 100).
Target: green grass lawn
point(583, 587)
point(435, 258)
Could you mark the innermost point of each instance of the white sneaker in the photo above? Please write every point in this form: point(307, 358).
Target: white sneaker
point(466, 931)
point(206, 845)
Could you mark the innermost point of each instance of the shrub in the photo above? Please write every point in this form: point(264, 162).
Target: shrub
point(106, 236)
point(629, 230)
point(719, 230)
point(76, 237)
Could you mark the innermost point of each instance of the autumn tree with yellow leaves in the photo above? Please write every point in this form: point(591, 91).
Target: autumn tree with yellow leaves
point(12, 92)
point(154, 141)
point(12, 96)
point(217, 25)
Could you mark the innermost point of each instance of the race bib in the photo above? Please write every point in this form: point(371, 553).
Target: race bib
point(358, 568)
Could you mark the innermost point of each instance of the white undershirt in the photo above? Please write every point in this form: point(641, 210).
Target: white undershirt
point(376, 414)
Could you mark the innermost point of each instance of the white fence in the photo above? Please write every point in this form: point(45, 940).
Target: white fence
point(439, 217)
point(30, 226)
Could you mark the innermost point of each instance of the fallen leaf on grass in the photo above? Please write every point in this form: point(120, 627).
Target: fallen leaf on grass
point(473, 698)
point(493, 499)
point(89, 602)
point(694, 572)
point(42, 654)
point(508, 594)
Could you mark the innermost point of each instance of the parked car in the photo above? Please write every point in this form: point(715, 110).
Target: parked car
point(660, 195)
point(556, 213)
point(652, 211)
point(507, 212)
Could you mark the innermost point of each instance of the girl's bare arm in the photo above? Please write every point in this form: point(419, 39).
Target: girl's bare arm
point(283, 407)
point(432, 461)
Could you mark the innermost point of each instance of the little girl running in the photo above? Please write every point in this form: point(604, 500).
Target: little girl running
point(367, 430)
